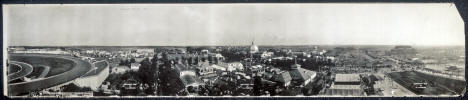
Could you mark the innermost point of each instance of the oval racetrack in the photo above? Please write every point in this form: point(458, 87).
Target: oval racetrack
point(78, 69)
point(25, 69)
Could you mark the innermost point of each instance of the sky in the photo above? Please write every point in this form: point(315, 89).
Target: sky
point(233, 24)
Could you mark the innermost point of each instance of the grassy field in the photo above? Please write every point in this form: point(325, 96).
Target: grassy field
point(13, 68)
point(36, 72)
point(437, 85)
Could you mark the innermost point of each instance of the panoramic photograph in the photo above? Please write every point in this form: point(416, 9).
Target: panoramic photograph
point(234, 50)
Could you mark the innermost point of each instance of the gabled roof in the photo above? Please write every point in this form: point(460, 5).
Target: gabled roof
point(267, 75)
point(282, 77)
point(268, 82)
point(301, 74)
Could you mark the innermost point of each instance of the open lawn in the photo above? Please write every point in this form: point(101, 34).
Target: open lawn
point(13, 68)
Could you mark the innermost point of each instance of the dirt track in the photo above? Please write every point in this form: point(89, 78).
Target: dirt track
point(78, 69)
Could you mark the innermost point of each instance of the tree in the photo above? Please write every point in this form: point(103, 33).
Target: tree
point(257, 85)
point(165, 75)
point(197, 60)
point(125, 62)
point(191, 89)
point(145, 72)
point(132, 60)
point(147, 75)
point(155, 58)
point(190, 61)
point(216, 60)
point(203, 59)
point(165, 56)
point(74, 88)
point(210, 59)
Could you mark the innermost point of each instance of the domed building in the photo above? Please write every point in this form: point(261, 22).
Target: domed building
point(253, 48)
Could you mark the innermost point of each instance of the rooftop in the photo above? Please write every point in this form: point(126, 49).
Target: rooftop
point(301, 74)
point(344, 92)
point(347, 78)
point(180, 56)
point(346, 87)
point(282, 77)
point(204, 64)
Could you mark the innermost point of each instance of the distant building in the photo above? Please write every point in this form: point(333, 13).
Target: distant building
point(215, 58)
point(267, 55)
point(11, 50)
point(257, 69)
point(330, 58)
point(130, 87)
point(299, 54)
point(120, 69)
point(135, 66)
point(204, 68)
point(41, 51)
point(236, 65)
point(253, 48)
point(217, 67)
point(405, 52)
point(388, 63)
point(144, 50)
point(87, 58)
point(195, 59)
point(205, 52)
point(233, 66)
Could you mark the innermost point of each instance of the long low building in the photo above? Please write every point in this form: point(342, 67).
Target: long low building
point(347, 79)
point(345, 85)
point(94, 78)
point(343, 92)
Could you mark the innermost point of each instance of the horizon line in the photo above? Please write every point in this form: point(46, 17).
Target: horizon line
point(229, 45)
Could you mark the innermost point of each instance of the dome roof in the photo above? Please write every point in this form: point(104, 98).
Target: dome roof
point(253, 48)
